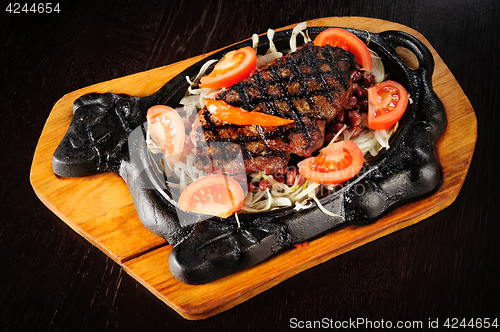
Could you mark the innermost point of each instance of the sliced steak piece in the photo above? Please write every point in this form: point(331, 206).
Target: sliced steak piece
point(314, 81)
point(233, 149)
point(309, 86)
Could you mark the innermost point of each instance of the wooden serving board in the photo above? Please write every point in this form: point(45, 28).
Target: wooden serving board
point(100, 208)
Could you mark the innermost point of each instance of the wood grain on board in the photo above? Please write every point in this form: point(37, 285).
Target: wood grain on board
point(100, 208)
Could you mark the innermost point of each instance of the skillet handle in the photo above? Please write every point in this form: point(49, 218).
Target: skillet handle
point(393, 39)
point(430, 110)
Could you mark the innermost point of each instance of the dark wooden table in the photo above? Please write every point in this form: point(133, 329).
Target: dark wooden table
point(51, 279)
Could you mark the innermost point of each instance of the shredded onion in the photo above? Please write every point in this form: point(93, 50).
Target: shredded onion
point(373, 141)
point(202, 71)
point(270, 36)
point(378, 68)
point(306, 204)
point(255, 41)
point(323, 209)
point(296, 30)
point(263, 60)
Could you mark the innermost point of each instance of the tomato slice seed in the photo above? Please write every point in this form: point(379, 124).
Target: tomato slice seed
point(388, 96)
point(336, 161)
point(232, 68)
point(230, 61)
point(216, 193)
point(167, 130)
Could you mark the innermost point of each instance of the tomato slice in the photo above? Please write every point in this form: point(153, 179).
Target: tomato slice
point(167, 130)
point(217, 195)
point(387, 103)
point(335, 163)
point(344, 39)
point(241, 117)
point(232, 68)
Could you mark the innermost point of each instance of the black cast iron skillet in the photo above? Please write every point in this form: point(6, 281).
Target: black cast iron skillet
point(107, 133)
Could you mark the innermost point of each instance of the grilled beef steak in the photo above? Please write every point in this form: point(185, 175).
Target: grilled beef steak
point(310, 86)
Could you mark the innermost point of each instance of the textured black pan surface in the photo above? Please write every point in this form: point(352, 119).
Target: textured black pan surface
point(106, 134)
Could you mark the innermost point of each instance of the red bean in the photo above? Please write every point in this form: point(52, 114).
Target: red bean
point(335, 126)
point(280, 177)
point(354, 118)
point(357, 75)
point(290, 176)
point(264, 184)
point(293, 176)
point(368, 79)
point(360, 93)
point(363, 105)
point(340, 116)
point(351, 102)
point(355, 131)
point(329, 136)
point(282, 170)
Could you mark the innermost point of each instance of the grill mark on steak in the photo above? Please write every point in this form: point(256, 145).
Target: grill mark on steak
point(309, 86)
point(234, 149)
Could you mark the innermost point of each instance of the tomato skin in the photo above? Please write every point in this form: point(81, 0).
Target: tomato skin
point(335, 163)
point(167, 130)
point(217, 195)
point(344, 39)
point(231, 69)
point(387, 103)
point(238, 116)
